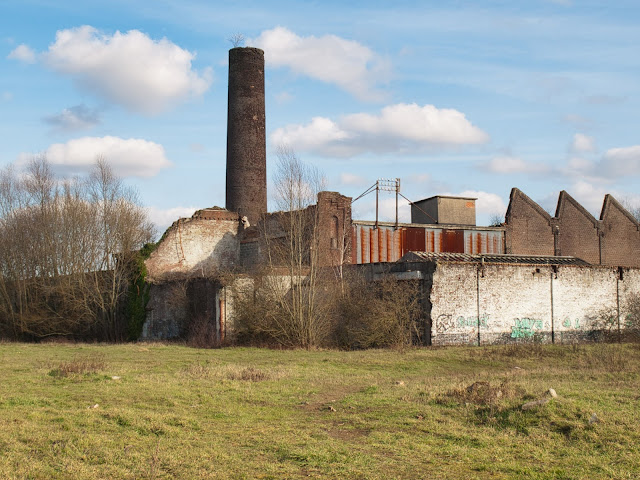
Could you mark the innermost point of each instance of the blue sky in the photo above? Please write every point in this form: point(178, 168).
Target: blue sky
point(468, 98)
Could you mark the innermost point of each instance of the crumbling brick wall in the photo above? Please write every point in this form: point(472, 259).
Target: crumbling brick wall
point(334, 228)
point(198, 246)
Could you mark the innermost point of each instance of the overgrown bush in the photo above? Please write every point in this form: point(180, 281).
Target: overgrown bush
point(284, 311)
point(382, 313)
point(347, 312)
point(626, 326)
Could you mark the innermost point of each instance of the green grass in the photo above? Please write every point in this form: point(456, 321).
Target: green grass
point(178, 412)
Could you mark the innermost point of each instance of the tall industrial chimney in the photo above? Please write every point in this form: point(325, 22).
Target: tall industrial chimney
point(246, 146)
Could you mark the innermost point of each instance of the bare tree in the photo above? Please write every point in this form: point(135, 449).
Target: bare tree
point(66, 249)
point(237, 39)
point(632, 207)
point(289, 306)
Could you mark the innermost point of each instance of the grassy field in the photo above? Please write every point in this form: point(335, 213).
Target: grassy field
point(166, 411)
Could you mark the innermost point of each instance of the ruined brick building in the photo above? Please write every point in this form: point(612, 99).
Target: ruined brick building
point(530, 275)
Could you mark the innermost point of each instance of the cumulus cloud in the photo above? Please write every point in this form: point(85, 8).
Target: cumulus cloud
point(510, 164)
point(579, 165)
point(78, 117)
point(486, 203)
point(590, 196)
point(605, 99)
point(130, 69)
point(578, 120)
point(365, 209)
point(283, 97)
point(620, 162)
point(23, 53)
point(350, 179)
point(397, 128)
point(163, 218)
point(331, 59)
point(128, 157)
point(582, 143)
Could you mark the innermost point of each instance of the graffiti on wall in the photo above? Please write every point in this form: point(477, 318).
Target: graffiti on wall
point(447, 321)
point(567, 323)
point(525, 327)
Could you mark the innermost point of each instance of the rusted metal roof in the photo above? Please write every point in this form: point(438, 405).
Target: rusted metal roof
point(491, 259)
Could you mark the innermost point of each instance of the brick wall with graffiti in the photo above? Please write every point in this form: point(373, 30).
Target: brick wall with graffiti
point(491, 304)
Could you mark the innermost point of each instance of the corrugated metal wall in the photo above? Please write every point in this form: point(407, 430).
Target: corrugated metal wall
point(388, 244)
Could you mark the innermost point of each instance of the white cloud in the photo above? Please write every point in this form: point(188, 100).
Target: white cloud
point(23, 53)
point(365, 209)
point(163, 218)
point(580, 165)
point(418, 178)
point(398, 128)
point(509, 164)
point(78, 117)
point(589, 196)
point(351, 179)
point(331, 59)
point(486, 203)
point(583, 143)
point(605, 99)
point(321, 135)
point(283, 97)
point(578, 120)
point(620, 162)
point(130, 68)
point(131, 157)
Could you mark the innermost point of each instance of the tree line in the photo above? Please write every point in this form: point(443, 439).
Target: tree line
point(69, 254)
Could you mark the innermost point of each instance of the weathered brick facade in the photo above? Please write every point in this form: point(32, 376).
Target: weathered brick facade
point(577, 230)
point(620, 235)
point(529, 229)
point(334, 228)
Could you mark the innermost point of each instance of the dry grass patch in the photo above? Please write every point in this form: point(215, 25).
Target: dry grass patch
point(79, 366)
point(231, 372)
point(483, 393)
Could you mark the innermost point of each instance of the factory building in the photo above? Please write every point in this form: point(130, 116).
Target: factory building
point(453, 256)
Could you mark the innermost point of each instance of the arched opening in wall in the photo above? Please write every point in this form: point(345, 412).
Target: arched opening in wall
point(334, 231)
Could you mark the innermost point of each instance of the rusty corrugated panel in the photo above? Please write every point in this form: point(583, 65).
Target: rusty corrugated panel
point(481, 242)
point(386, 240)
point(372, 245)
point(363, 246)
point(453, 241)
point(413, 240)
point(354, 244)
point(397, 244)
point(380, 245)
